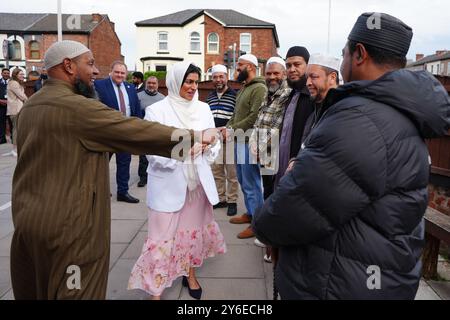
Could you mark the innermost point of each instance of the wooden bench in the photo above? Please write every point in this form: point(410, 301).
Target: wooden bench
point(437, 228)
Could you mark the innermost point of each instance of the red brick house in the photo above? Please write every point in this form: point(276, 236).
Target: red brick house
point(203, 36)
point(30, 35)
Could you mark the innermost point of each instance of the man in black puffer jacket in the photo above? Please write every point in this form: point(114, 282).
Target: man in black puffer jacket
point(348, 217)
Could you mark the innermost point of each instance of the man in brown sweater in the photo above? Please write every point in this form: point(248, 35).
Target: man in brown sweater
point(61, 197)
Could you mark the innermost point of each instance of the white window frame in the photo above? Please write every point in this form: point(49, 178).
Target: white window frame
point(163, 41)
point(194, 39)
point(213, 42)
point(17, 50)
point(246, 44)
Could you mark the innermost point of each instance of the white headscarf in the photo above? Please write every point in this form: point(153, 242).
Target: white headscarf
point(186, 111)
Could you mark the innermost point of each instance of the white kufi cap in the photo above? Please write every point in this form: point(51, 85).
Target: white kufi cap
point(219, 68)
point(62, 50)
point(276, 60)
point(250, 58)
point(325, 61)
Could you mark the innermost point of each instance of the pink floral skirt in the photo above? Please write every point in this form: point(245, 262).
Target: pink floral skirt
point(176, 242)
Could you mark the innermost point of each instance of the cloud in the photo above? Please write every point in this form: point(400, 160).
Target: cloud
point(298, 22)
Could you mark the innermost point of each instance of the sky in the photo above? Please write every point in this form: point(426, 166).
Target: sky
point(298, 22)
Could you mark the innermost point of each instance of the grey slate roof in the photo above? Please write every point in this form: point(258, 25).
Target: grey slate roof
point(432, 58)
point(41, 22)
point(228, 17)
point(18, 21)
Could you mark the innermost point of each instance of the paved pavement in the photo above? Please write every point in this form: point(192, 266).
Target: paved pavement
point(240, 274)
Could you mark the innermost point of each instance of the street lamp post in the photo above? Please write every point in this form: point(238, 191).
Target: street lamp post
point(234, 56)
point(329, 26)
point(59, 22)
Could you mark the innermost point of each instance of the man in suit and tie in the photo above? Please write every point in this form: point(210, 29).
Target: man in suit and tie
point(116, 93)
point(3, 85)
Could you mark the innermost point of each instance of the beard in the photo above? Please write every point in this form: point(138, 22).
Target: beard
point(316, 99)
point(297, 85)
point(272, 88)
point(243, 75)
point(86, 90)
point(220, 87)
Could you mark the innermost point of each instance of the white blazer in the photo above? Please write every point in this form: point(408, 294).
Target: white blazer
point(166, 183)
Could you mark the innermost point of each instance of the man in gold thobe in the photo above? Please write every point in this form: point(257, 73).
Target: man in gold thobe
point(61, 198)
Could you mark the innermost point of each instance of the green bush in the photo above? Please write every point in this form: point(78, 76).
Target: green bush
point(158, 74)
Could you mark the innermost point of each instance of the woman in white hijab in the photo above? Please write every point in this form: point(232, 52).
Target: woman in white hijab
point(180, 195)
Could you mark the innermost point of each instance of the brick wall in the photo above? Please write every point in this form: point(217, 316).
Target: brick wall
point(211, 59)
point(105, 46)
point(263, 41)
point(103, 42)
point(204, 88)
point(45, 41)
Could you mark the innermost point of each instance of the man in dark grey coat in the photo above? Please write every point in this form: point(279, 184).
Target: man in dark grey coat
point(348, 217)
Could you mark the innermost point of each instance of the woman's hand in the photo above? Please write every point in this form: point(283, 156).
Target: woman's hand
point(197, 149)
point(209, 136)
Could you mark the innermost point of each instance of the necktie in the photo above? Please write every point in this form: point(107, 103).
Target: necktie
point(122, 101)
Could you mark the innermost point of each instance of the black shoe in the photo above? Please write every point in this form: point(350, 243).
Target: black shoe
point(220, 205)
point(127, 198)
point(142, 184)
point(232, 209)
point(194, 293)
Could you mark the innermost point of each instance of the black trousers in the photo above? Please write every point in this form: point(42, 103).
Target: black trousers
point(123, 161)
point(2, 124)
point(142, 171)
point(11, 127)
point(268, 185)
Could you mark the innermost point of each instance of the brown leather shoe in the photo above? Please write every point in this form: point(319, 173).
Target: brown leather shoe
point(245, 218)
point(247, 233)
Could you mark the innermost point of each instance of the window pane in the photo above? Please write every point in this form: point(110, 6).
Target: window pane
point(35, 55)
point(34, 45)
point(163, 46)
point(163, 36)
point(195, 46)
point(213, 37)
point(212, 47)
point(195, 35)
point(246, 48)
point(245, 38)
point(17, 54)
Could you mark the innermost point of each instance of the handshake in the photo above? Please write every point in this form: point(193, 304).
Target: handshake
point(209, 136)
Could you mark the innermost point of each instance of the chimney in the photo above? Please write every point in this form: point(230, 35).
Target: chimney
point(97, 17)
point(419, 56)
point(441, 52)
